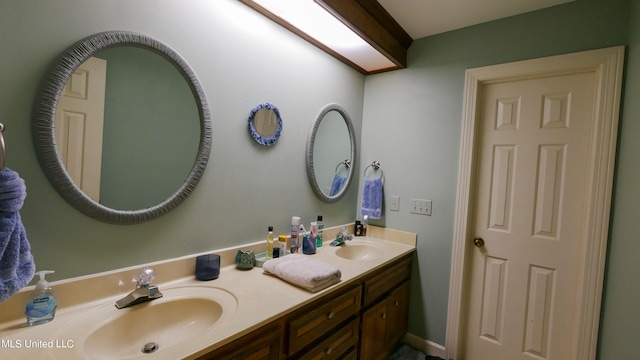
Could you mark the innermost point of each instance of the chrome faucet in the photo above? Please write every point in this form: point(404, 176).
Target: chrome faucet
point(144, 290)
point(341, 238)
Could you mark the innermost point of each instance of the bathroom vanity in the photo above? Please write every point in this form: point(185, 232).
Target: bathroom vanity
point(244, 314)
point(364, 320)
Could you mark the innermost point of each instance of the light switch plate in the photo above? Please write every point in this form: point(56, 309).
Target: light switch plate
point(395, 203)
point(420, 206)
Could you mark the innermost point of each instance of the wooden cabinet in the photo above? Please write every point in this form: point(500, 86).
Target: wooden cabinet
point(321, 318)
point(363, 320)
point(262, 344)
point(384, 280)
point(374, 324)
point(386, 309)
point(384, 324)
point(397, 315)
point(341, 344)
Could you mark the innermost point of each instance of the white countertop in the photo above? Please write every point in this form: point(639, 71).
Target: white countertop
point(260, 299)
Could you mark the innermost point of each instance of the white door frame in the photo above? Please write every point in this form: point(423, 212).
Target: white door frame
point(608, 66)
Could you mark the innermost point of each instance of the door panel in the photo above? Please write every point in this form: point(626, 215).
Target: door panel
point(530, 194)
point(79, 125)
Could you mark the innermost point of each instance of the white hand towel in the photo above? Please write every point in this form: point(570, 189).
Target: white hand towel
point(300, 270)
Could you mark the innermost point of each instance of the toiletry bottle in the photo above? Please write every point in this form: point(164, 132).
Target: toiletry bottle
point(320, 231)
point(365, 219)
point(358, 228)
point(269, 242)
point(309, 241)
point(295, 228)
point(282, 245)
point(41, 308)
point(313, 232)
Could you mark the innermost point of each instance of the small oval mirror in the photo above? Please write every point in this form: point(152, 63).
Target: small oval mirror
point(265, 124)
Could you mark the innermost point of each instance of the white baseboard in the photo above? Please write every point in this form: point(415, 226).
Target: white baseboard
point(426, 346)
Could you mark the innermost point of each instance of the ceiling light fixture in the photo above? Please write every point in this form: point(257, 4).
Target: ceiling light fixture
point(360, 33)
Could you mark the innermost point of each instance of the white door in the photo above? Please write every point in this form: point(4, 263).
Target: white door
point(529, 211)
point(79, 125)
point(534, 232)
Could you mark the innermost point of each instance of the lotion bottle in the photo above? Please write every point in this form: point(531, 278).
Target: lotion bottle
point(41, 307)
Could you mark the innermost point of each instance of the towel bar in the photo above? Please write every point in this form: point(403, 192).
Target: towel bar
point(376, 166)
point(346, 163)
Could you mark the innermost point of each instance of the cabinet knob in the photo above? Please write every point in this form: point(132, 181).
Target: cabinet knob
point(331, 315)
point(396, 303)
point(384, 316)
point(329, 351)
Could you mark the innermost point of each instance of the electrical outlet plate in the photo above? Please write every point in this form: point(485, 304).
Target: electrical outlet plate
point(395, 203)
point(420, 206)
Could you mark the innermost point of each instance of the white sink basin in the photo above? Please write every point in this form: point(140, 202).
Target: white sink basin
point(182, 315)
point(361, 251)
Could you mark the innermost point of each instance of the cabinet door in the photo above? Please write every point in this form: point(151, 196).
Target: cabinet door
point(397, 314)
point(373, 336)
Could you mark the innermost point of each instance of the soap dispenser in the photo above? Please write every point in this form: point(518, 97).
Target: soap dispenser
point(41, 307)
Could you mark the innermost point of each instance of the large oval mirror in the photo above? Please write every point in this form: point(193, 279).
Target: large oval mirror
point(137, 151)
point(331, 153)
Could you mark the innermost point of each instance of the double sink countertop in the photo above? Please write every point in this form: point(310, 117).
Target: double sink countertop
point(249, 299)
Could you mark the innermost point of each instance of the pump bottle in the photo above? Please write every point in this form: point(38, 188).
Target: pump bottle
point(41, 307)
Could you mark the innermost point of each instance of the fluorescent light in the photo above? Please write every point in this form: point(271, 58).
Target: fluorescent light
point(313, 20)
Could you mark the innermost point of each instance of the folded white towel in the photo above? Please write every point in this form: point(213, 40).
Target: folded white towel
point(301, 270)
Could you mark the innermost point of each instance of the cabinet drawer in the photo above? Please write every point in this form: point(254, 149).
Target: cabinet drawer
point(318, 318)
point(262, 344)
point(338, 346)
point(386, 280)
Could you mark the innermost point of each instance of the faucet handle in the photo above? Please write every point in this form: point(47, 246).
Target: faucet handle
point(146, 276)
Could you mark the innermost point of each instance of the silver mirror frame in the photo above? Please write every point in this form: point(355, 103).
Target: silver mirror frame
point(311, 175)
point(43, 126)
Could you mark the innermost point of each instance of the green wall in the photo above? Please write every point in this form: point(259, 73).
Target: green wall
point(412, 124)
point(620, 318)
point(241, 59)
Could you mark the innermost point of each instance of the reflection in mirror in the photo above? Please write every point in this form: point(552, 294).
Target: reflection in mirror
point(331, 153)
point(156, 135)
point(144, 101)
point(265, 124)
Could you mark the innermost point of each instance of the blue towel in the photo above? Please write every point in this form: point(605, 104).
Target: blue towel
point(337, 184)
point(16, 263)
point(372, 198)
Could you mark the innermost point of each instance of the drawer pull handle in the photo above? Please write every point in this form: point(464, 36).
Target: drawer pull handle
point(384, 316)
point(397, 303)
point(329, 351)
point(331, 315)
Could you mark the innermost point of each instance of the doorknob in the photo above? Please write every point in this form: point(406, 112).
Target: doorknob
point(478, 241)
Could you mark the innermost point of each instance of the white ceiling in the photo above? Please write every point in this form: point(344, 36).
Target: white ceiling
point(422, 18)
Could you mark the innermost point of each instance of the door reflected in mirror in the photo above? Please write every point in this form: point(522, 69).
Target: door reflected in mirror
point(150, 133)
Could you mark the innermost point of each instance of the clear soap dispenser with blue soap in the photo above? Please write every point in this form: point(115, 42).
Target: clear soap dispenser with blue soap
point(41, 307)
